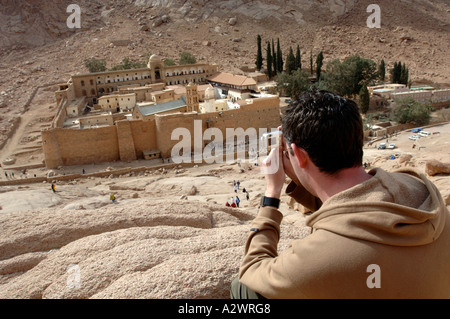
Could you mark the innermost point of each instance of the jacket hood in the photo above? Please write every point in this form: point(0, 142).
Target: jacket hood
point(400, 209)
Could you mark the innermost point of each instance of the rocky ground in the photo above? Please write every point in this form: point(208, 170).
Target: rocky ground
point(169, 235)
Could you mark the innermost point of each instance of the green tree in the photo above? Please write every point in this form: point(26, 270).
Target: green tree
point(187, 58)
point(404, 75)
point(382, 71)
point(169, 62)
point(319, 64)
point(364, 99)
point(290, 62)
point(269, 60)
point(128, 64)
point(409, 111)
point(298, 59)
point(348, 77)
point(293, 84)
point(95, 65)
point(259, 58)
point(396, 72)
point(274, 59)
point(279, 58)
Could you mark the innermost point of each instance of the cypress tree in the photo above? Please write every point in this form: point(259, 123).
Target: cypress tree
point(298, 59)
point(279, 57)
point(382, 71)
point(269, 60)
point(274, 58)
point(259, 58)
point(290, 62)
point(404, 75)
point(311, 62)
point(364, 99)
point(319, 63)
point(393, 73)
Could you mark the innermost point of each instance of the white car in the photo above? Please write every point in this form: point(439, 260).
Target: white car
point(424, 134)
point(382, 146)
point(414, 137)
point(391, 146)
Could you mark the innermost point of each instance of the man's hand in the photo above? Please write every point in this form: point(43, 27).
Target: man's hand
point(289, 171)
point(272, 168)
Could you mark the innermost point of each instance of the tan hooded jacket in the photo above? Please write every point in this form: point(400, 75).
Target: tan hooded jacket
point(388, 237)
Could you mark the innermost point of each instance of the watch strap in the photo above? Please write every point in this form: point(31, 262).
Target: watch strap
point(270, 201)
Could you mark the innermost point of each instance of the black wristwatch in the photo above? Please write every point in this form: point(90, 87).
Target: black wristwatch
point(269, 201)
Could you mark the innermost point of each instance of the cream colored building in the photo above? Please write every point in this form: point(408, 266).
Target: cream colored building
point(92, 86)
point(386, 90)
point(211, 104)
point(423, 96)
point(118, 102)
point(75, 107)
point(141, 91)
point(162, 96)
point(441, 95)
point(96, 121)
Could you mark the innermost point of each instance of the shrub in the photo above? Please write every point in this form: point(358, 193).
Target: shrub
point(409, 111)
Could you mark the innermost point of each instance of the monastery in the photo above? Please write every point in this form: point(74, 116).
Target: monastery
point(131, 114)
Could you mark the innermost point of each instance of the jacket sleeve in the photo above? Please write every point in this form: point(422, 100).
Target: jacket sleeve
point(262, 269)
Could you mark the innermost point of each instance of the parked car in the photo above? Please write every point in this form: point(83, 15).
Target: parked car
point(382, 146)
point(414, 137)
point(424, 134)
point(391, 146)
point(435, 133)
point(288, 101)
point(416, 130)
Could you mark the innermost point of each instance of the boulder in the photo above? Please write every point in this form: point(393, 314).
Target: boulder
point(193, 191)
point(434, 167)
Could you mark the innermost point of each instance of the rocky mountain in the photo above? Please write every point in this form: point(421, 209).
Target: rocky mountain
point(37, 48)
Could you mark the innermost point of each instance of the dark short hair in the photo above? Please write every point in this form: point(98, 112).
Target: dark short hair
point(328, 127)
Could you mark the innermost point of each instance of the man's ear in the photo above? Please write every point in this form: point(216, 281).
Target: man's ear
point(301, 155)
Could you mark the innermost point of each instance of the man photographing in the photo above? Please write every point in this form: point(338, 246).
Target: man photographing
point(395, 221)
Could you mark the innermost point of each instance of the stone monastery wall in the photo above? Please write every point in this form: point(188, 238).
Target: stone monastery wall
point(128, 139)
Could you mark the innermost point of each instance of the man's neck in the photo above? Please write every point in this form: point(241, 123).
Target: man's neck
point(329, 185)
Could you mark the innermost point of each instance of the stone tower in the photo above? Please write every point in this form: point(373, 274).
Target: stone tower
point(156, 66)
point(192, 100)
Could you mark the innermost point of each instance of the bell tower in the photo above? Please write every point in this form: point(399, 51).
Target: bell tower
point(156, 66)
point(192, 100)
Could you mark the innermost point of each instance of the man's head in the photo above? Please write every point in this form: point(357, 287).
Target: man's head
point(328, 127)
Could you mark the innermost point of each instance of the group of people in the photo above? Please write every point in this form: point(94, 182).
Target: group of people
point(235, 201)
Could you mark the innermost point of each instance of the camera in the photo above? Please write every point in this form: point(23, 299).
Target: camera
point(269, 141)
